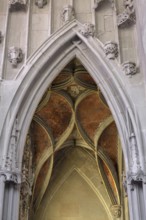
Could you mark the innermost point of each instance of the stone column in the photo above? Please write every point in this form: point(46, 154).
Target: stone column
point(2, 191)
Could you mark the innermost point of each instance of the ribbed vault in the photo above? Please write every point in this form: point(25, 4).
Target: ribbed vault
point(73, 114)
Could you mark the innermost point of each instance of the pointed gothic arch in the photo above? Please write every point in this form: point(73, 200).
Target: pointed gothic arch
point(42, 68)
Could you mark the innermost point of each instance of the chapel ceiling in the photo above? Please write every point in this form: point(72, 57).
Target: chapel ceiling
point(73, 112)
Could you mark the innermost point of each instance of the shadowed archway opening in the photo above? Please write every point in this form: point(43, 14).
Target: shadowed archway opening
point(73, 151)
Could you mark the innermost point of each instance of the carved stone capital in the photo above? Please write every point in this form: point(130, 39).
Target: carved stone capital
point(10, 176)
point(0, 36)
point(135, 177)
point(116, 211)
point(88, 30)
point(15, 55)
point(41, 3)
point(17, 4)
point(111, 50)
point(68, 13)
point(129, 68)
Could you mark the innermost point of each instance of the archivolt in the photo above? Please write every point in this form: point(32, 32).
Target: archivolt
point(46, 63)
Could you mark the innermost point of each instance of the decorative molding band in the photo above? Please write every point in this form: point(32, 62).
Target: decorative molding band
point(40, 3)
point(15, 55)
point(17, 4)
point(68, 13)
point(129, 68)
point(88, 30)
point(111, 50)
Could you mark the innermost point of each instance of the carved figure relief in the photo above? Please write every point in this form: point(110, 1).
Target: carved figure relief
point(88, 30)
point(129, 68)
point(68, 13)
point(15, 55)
point(111, 50)
point(17, 4)
point(41, 3)
point(128, 16)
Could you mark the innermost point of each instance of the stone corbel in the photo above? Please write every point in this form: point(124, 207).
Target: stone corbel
point(17, 4)
point(129, 68)
point(88, 30)
point(128, 16)
point(41, 3)
point(68, 14)
point(15, 55)
point(111, 50)
point(116, 211)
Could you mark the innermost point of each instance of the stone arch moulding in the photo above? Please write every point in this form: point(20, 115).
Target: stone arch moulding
point(41, 69)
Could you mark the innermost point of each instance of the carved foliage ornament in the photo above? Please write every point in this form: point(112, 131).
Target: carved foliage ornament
point(17, 4)
point(111, 50)
point(88, 30)
point(15, 55)
point(41, 3)
point(128, 16)
point(129, 68)
point(68, 13)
